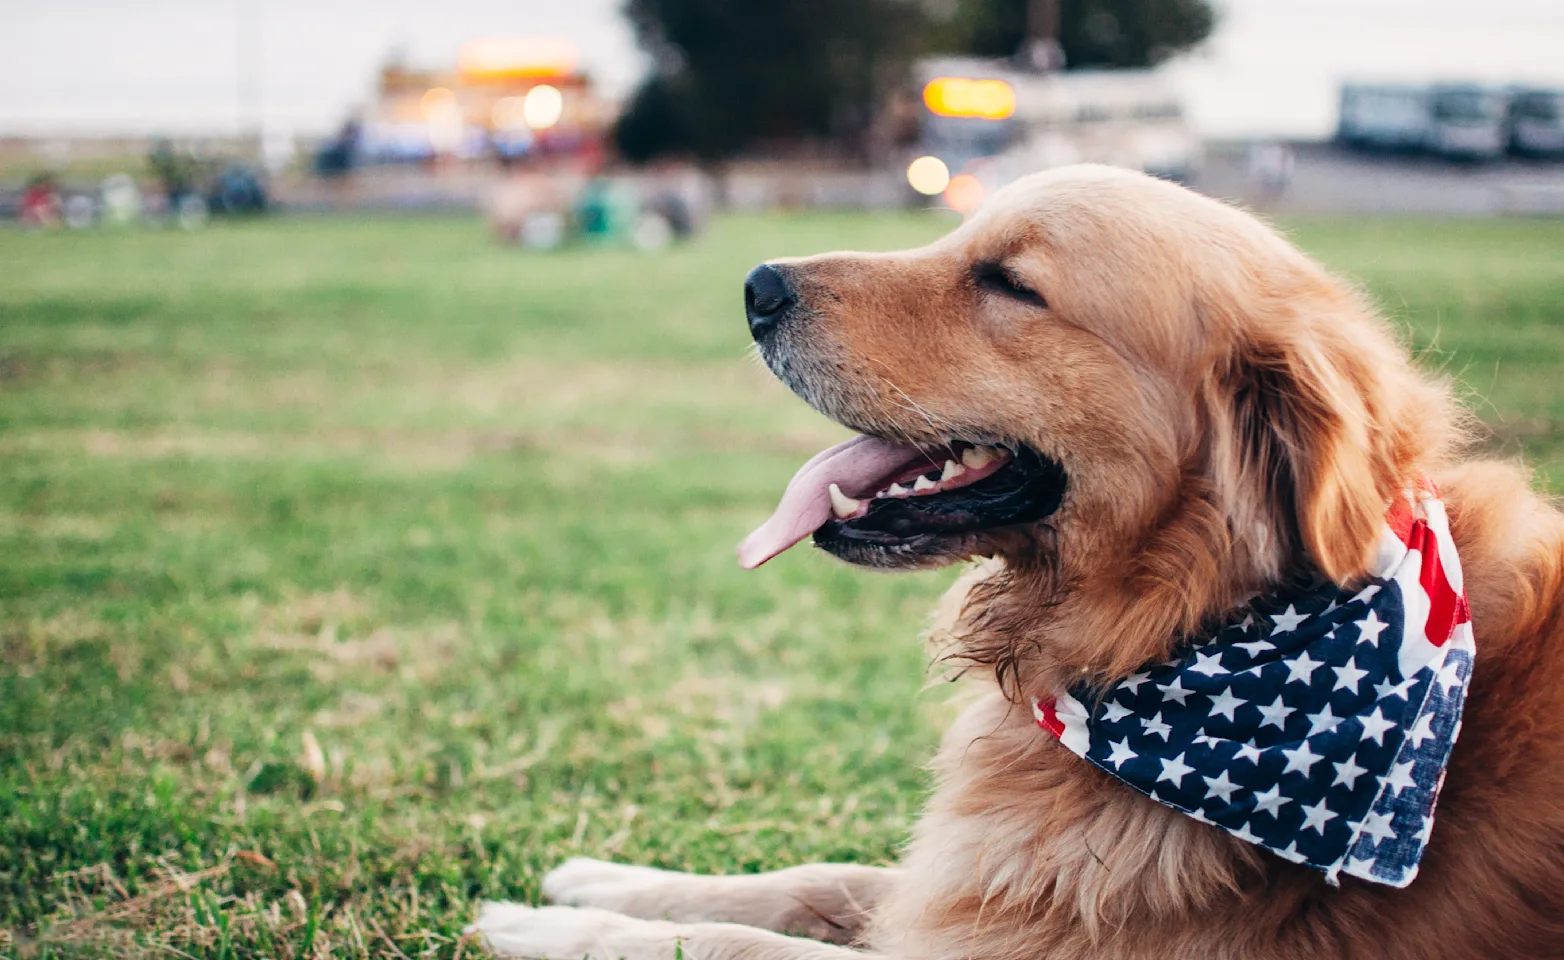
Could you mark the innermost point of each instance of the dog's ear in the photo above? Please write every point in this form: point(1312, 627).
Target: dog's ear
point(1326, 415)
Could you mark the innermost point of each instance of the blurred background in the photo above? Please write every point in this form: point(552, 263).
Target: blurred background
point(181, 109)
point(378, 414)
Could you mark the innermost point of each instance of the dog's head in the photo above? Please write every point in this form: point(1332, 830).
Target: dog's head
point(1100, 372)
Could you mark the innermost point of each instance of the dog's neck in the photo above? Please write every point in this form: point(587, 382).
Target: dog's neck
point(1048, 619)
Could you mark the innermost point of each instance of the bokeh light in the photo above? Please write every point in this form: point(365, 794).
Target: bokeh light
point(964, 193)
point(543, 106)
point(444, 116)
point(437, 101)
point(928, 175)
point(961, 97)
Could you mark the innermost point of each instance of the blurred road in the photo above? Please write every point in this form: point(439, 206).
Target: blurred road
point(1329, 180)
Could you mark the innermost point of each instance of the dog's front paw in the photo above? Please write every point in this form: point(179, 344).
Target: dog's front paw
point(622, 888)
point(566, 933)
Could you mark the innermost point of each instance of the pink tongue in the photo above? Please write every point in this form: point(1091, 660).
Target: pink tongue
point(855, 465)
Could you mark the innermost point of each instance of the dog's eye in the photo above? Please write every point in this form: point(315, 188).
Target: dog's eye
point(996, 279)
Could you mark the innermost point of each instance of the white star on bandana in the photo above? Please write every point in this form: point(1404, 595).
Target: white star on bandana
point(1338, 768)
point(1287, 622)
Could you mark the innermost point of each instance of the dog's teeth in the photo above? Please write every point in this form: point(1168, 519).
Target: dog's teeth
point(841, 504)
point(922, 484)
point(977, 457)
point(897, 490)
point(952, 469)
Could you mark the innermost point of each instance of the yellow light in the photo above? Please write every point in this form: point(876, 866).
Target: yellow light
point(964, 193)
point(928, 175)
point(437, 101)
point(961, 97)
point(518, 58)
point(543, 106)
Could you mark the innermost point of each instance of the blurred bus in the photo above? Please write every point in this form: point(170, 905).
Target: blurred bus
point(1468, 122)
point(1537, 122)
point(993, 122)
point(1458, 121)
point(1383, 116)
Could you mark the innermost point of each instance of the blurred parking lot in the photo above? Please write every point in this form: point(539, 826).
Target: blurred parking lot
point(1327, 179)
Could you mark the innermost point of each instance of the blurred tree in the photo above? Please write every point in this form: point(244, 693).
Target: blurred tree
point(727, 75)
point(1093, 33)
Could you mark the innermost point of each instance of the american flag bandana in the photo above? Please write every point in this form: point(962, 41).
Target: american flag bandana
point(1318, 725)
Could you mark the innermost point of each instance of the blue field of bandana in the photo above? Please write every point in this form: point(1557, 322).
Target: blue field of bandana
point(1292, 728)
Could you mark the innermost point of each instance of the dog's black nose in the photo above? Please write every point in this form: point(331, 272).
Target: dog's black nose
point(767, 299)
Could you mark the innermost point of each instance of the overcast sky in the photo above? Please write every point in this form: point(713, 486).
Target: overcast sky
point(145, 65)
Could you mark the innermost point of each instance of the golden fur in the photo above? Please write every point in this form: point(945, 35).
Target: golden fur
point(1228, 414)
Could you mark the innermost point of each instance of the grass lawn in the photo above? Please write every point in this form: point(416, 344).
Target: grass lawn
point(351, 571)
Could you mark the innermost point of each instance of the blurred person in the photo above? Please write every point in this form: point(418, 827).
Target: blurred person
point(605, 211)
point(338, 156)
point(121, 199)
point(174, 171)
point(191, 213)
point(238, 190)
point(40, 205)
point(680, 196)
point(1270, 168)
point(80, 211)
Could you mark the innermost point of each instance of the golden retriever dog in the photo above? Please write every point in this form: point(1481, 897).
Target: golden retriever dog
point(1144, 408)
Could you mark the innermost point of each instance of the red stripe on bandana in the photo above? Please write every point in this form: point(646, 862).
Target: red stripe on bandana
point(1047, 714)
point(1446, 608)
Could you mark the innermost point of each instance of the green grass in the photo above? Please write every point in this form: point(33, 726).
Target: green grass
point(462, 519)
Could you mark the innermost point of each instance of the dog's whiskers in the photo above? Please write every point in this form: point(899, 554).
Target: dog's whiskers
point(929, 418)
